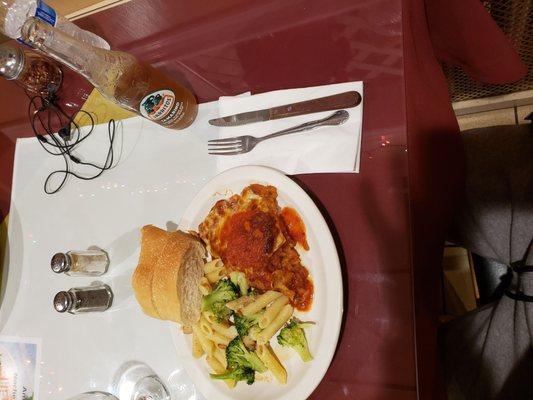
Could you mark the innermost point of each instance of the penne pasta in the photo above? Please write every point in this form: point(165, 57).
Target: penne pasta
point(271, 361)
point(209, 316)
point(207, 346)
point(272, 310)
point(197, 350)
point(217, 332)
point(213, 265)
point(215, 364)
point(220, 355)
point(240, 303)
point(217, 338)
point(254, 333)
point(261, 302)
point(205, 286)
point(205, 326)
point(276, 324)
point(225, 330)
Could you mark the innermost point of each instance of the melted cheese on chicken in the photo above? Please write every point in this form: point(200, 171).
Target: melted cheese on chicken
point(254, 201)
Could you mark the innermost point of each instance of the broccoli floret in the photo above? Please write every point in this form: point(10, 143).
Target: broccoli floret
point(239, 356)
point(221, 312)
point(293, 335)
point(239, 280)
point(237, 374)
point(216, 300)
point(244, 323)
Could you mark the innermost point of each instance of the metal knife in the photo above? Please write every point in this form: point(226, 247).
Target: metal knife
point(329, 103)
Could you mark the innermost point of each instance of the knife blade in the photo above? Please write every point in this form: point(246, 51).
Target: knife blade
point(328, 103)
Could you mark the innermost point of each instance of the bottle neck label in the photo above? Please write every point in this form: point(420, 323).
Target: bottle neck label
point(46, 13)
point(161, 106)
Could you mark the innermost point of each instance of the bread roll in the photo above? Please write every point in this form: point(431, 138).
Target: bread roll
point(153, 240)
point(174, 280)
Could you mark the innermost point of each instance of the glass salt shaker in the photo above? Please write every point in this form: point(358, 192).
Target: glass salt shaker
point(32, 71)
point(92, 262)
point(84, 299)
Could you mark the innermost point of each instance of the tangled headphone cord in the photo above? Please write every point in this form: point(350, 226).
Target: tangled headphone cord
point(41, 111)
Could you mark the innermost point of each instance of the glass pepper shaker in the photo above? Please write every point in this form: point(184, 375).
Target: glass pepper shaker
point(30, 70)
point(84, 299)
point(92, 262)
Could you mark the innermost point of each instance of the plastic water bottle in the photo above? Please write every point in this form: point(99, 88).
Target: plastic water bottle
point(13, 14)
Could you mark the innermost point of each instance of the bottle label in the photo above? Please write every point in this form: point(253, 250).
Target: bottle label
point(46, 13)
point(161, 106)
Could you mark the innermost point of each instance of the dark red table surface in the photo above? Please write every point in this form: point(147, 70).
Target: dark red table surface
point(389, 220)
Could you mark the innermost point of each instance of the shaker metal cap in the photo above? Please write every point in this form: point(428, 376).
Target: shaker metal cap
point(11, 61)
point(62, 301)
point(60, 263)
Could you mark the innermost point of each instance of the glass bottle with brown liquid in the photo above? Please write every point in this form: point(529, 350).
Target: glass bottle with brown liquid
point(119, 76)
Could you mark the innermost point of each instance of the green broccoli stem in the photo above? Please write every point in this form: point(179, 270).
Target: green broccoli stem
point(304, 353)
point(237, 374)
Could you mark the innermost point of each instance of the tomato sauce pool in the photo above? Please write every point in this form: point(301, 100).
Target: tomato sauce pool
point(295, 226)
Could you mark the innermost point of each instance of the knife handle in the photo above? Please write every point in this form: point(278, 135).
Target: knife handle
point(329, 103)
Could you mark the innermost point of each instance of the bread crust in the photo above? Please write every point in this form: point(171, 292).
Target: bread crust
point(153, 240)
point(165, 278)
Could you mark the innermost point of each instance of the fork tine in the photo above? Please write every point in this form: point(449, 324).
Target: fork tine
point(227, 153)
point(227, 140)
point(223, 146)
point(225, 149)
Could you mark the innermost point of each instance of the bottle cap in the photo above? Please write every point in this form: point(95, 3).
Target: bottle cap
point(62, 301)
point(11, 61)
point(60, 263)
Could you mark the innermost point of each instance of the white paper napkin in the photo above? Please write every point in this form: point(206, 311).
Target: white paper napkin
point(325, 149)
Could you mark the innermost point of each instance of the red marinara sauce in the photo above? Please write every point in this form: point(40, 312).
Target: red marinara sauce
point(248, 241)
point(248, 238)
point(295, 226)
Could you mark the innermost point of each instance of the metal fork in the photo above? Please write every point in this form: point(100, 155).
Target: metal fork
point(244, 144)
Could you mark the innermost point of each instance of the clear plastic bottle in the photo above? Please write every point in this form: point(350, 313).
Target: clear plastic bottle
point(13, 14)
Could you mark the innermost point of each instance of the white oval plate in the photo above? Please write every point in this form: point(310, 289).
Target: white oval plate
point(322, 262)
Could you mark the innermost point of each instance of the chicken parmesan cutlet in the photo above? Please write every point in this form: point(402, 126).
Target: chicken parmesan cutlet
point(250, 233)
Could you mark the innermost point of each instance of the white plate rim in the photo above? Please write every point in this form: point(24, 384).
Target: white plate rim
point(305, 387)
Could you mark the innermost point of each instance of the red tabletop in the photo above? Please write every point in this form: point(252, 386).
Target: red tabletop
point(389, 220)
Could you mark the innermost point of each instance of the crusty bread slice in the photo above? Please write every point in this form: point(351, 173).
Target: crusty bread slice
point(153, 240)
point(176, 279)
